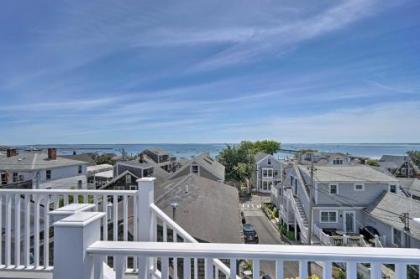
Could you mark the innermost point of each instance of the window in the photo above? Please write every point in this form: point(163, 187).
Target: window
point(333, 189)
point(80, 169)
point(396, 237)
point(337, 161)
point(276, 173)
point(393, 189)
point(267, 172)
point(359, 187)
point(48, 174)
point(195, 169)
point(3, 178)
point(79, 184)
point(15, 177)
point(328, 217)
point(269, 161)
point(266, 185)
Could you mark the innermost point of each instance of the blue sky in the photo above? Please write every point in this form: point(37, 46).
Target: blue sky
point(209, 71)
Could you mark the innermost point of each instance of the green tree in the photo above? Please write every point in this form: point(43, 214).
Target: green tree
point(239, 160)
point(373, 163)
point(414, 156)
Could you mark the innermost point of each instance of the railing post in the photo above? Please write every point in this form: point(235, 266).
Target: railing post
point(145, 227)
point(73, 235)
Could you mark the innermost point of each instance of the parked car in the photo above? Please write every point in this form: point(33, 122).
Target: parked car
point(250, 235)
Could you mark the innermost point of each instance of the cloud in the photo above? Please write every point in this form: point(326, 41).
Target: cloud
point(379, 123)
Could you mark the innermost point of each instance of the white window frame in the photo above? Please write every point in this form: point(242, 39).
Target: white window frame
point(329, 189)
point(396, 188)
point(268, 170)
point(359, 184)
point(328, 211)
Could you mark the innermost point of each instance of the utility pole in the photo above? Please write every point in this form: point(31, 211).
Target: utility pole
point(405, 218)
point(311, 192)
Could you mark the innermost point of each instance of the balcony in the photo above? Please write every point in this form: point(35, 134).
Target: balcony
point(97, 234)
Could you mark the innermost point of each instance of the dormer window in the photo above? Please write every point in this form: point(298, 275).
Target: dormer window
point(269, 161)
point(195, 169)
point(333, 189)
point(393, 189)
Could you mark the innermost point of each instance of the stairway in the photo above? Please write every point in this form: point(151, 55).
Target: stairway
point(301, 211)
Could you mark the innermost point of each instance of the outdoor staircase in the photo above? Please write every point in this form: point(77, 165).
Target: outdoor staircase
point(301, 211)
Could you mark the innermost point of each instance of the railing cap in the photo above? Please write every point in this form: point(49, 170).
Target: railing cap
point(146, 179)
point(79, 219)
point(72, 208)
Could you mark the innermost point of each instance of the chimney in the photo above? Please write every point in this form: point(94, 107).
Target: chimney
point(141, 159)
point(11, 152)
point(52, 154)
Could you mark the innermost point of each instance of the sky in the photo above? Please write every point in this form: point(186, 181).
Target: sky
point(209, 71)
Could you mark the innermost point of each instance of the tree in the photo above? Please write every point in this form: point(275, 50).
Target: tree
point(414, 156)
point(239, 160)
point(373, 163)
point(266, 146)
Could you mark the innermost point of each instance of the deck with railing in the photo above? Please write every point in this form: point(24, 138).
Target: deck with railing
point(124, 234)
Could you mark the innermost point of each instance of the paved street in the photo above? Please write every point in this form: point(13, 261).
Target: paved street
point(267, 235)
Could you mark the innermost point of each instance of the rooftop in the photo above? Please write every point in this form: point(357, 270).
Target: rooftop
point(389, 207)
point(137, 164)
point(346, 173)
point(29, 161)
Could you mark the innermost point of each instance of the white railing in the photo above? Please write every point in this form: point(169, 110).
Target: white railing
point(178, 232)
point(27, 235)
point(323, 237)
point(298, 217)
point(280, 254)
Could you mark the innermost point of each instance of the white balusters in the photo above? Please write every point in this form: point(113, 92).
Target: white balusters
point(115, 217)
point(375, 271)
point(46, 232)
point(165, 267)
point(8, 228)
point(256, 269)
point(401, 271)
point(120, 267)
point(36, 231)
point(187, 268)
point(208, 265)
point(27, 232)
point(279, 269)
point(351, 270)
point(233, 269)
point(327, 271)
point(17, 230)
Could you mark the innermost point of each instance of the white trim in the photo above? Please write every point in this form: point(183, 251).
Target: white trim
point(359, 184)
point(329, 188)
point(320, 216)
point(344, 220)
point(267, 177)
point(268, 155)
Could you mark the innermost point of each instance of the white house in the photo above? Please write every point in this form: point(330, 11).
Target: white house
point(268, 174)
point(42, 170)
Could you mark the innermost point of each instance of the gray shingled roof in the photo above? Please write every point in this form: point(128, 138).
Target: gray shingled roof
point(208, 210)
point(259, 156)
point(411, 185)
point(158, 151)
point(392, 161)
point(210, 164)
point(390, 206)
point(356, 173)
point(204, 160)
point(29, 161)
point(137, 164)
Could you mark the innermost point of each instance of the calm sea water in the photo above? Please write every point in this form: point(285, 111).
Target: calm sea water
point(373, 150)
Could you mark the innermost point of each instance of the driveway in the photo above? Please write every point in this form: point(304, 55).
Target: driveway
point(268, 234)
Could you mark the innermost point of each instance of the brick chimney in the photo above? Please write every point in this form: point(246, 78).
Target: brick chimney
point(52, 154)
point(11, 152)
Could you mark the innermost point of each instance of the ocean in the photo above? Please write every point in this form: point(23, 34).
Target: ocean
point(372, 150)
